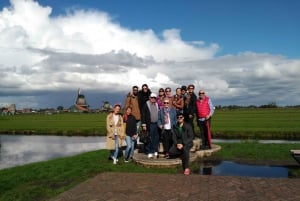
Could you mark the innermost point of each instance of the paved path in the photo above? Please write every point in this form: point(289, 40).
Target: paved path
point(177, 187)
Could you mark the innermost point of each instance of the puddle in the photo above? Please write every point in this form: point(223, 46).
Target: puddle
point(229, 168)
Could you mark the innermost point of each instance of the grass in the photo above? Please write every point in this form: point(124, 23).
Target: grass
point(260, 123)
point(45, 180)
point(257, 151)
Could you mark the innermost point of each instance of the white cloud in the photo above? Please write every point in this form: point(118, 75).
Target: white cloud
point(41, 54)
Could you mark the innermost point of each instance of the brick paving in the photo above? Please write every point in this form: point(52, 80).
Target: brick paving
point(178, 187)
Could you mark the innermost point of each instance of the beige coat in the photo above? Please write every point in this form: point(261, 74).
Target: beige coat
point(111, 127)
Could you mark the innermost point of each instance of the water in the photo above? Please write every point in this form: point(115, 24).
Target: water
point(19, 149)
point(229, 168)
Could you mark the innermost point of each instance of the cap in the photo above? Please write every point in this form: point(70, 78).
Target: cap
point(153, 95)
point(183, 88)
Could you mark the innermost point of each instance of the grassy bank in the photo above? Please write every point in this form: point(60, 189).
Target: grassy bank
point(45, 180)
point(263, 123)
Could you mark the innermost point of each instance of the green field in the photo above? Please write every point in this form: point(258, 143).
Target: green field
point(263, 123)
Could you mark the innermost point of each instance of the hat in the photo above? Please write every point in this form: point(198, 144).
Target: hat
point(183, 87)
point(153, 95)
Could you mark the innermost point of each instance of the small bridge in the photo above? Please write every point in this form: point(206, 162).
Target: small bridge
point(296, 155)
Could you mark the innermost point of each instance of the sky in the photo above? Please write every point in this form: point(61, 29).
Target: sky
point(240, 52)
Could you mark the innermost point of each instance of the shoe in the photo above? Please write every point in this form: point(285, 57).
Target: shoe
point(155, 154)
point(115, 161)
point(150, 155)
point(167, 156)
point(187, 171)
point(126, 160)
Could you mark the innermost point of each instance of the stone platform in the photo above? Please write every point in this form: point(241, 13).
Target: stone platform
point(142, 159)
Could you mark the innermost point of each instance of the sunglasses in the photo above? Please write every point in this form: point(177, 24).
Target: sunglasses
point(180, 117)
point(202, 93)
point(153, 97)
point(166, 102)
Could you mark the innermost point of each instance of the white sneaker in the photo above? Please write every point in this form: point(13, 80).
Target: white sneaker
point(115, 161)
point(155, 154)
point(150, 155)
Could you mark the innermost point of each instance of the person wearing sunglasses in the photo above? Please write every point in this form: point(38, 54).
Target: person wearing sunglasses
point(160, 98)
point(182, 136)
point(205, 110)
point(166, 120)
point(149, 124)
point(189, 108)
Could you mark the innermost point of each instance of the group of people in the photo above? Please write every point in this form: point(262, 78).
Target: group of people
point(167, 118)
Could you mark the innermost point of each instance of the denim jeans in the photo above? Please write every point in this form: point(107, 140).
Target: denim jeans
point(130, 147)
point(116, 147)
point(154, 138)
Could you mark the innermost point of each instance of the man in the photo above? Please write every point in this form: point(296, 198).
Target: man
point(182, 142)
point(189, 109)
point(149, 123)
point(205, 110)
point(166, 120)
point(133, 102)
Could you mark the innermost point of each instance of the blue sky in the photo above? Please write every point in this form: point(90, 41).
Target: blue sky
point(240, 52)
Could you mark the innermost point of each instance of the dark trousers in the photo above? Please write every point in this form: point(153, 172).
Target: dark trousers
point(167, 140)
point(204, 132)
point(184, 154)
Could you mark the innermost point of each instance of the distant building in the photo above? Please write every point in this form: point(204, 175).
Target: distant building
point(80, 103)
point(10, 110)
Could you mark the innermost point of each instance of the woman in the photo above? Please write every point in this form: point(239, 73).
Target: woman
point(160, 98)
point(115, 132)
point(131, 133)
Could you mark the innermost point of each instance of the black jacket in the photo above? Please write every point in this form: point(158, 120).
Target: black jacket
point(131, 128)
point(146, 116)
point(187, 135)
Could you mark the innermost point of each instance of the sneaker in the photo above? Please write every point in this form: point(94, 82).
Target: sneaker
point(187, 171)
point(155, 154)
point(150, 155)
point(115, 161)
point(126, 160)
point(167, 156)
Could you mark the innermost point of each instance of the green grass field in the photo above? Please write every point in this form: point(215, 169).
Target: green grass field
point(273, 123)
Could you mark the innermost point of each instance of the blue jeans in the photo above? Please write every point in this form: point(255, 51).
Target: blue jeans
point(116, 147)
point(130, 147)
point(153, 145)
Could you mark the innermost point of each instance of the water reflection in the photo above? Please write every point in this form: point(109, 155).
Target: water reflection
point(18, 149)
point(229, 168)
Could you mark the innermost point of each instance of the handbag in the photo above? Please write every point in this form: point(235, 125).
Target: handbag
point(144, 136)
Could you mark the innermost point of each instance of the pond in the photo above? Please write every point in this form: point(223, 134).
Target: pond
point(20, 149)
point(230, 168)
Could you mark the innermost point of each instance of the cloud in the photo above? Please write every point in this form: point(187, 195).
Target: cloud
point(43, 56)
